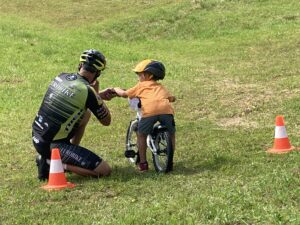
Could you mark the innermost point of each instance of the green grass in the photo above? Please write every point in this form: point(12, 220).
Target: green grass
point(233, 65)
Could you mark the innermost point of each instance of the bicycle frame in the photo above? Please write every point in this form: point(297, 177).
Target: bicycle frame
point(158, 142)
point(150, 140)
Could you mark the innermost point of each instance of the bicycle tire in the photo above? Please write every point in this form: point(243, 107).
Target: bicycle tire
point(131, 150)
point(163, 157)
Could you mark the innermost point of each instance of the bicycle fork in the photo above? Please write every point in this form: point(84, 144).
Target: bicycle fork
point(151, 145)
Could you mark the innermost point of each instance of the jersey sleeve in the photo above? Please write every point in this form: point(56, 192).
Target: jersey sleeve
point(168, 94)
point(132, 92)
point(95, 104)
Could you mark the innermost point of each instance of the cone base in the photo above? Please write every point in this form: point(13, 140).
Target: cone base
point(58, 187)
point(280, 151)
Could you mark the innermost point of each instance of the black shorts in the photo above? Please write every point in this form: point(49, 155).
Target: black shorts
point(145, 125)
point(70, 154)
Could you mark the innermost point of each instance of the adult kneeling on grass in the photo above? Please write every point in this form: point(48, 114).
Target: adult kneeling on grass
point(64, 114)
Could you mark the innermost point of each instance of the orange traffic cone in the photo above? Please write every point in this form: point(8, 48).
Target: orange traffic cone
point(281, 141)
point(57, 179)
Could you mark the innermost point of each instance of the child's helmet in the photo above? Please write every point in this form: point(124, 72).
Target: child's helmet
point(156, 68)
point(93, 60)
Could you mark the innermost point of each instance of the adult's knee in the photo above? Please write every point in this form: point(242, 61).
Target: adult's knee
point(103, 169)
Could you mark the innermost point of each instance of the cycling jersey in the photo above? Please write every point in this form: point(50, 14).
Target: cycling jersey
point(63, 107)
point(154, 98)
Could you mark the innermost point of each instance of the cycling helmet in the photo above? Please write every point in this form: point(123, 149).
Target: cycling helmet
point(93, 60)
point(156, 68)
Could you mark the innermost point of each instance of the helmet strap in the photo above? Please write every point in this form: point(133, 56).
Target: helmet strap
point(79, 66)
point(98, 73)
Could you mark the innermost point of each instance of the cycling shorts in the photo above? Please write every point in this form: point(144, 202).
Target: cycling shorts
point(146, 124)
point(70, 154)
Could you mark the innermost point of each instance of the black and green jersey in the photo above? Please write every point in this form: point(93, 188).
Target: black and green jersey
point(63, 107)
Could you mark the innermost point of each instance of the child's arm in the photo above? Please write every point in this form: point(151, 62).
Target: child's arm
point(120, 92)
point(172, 98)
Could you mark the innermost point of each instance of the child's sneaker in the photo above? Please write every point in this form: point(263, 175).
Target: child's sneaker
point(143, 166)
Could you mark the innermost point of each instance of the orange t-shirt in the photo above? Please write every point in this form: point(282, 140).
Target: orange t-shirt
point(153, 96)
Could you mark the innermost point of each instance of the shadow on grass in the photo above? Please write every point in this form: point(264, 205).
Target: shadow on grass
point(119, 173)
point(130, 172)
point(191, 167)
point(186, 167)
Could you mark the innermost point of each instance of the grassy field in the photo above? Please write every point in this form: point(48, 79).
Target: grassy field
point(233, 65)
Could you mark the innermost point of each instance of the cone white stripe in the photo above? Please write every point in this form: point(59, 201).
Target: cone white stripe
point(280, 132)
point(56, 166)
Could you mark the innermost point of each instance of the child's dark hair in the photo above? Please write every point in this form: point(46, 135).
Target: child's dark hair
point(153, 76)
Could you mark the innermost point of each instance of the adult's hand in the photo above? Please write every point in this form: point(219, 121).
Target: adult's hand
point(107, 94)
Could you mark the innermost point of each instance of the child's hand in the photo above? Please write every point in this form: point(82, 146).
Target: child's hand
point(112, 92)
point(120, 92)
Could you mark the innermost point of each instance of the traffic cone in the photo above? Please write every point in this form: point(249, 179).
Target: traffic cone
point(281, 140)
point(57, 179)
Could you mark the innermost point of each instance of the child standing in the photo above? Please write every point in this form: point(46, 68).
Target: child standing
point(155, 104)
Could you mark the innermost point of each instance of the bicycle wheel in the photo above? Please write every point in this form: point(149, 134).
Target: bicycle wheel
point(162, 150)
point(131, 151)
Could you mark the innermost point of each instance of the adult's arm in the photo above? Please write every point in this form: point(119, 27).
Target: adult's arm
point(98, 107)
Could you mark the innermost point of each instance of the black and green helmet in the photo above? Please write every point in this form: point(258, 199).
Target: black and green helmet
point(93, 60)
